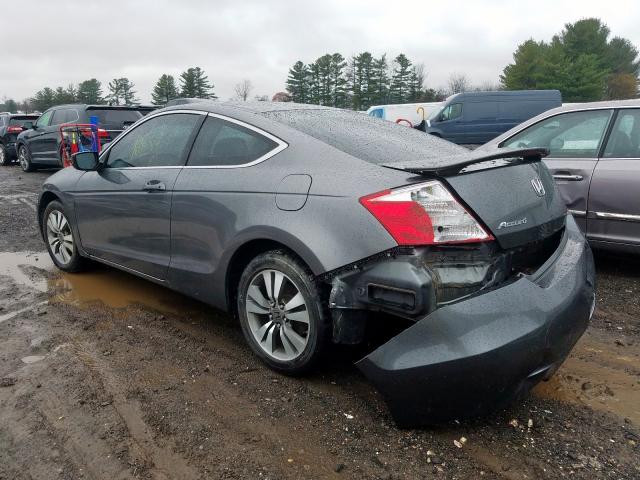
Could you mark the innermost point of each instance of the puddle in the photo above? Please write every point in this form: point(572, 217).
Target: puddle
point(116, 289)
point(32, 358)
point(12, 265)
point(598, 376)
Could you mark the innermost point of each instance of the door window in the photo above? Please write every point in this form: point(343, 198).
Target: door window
point(161, 141)
point(222, 143)
point(451, 112)
point(568, 135)
point(43, 121)
point(66, 115)
point(624, 141)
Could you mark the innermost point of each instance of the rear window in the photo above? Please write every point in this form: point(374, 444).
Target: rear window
point(115, 119)
point(368, 138)
point(21, 120)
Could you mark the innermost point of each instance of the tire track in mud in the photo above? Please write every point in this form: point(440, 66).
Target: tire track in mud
point(161, 460)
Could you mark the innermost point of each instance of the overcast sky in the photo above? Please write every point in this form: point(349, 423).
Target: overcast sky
point(56, 42)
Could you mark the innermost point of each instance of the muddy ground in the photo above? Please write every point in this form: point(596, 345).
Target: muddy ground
point(108, 376)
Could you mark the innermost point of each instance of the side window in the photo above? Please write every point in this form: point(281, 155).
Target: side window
point(222, 143)
point(624, 141)
point(162, 141)
point(70, 116)
point(58, 117)
point(451, 112)
point(568, 135)
point(43, 121)
point(480, 110)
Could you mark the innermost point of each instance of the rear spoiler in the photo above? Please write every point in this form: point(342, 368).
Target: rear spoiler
point(442, 166)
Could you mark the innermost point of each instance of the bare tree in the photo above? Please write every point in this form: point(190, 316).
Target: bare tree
point(488, 86)
point(458, 83)
point(243, 90)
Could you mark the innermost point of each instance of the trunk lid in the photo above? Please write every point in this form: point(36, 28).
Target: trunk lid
point(512, 193)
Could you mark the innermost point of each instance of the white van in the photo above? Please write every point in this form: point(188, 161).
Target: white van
point(409, 114)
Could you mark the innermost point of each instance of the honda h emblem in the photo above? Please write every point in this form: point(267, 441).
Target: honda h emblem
point(538, 187)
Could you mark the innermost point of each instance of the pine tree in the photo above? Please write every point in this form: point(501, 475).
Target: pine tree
point(298, 83)
point(338, 81)
point(121, 92)
point(416, 83)
point(380, 81)
point(63, 96)
point(44, 99)
point(400, 79)
point(164, 90)
point(90, 91)
point(195, 84)
point(314, 84)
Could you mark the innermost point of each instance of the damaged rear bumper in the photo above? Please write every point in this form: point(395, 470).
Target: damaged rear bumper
point(478, 354)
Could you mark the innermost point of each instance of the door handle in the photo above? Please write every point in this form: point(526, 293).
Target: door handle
point(567, 177)
point(154, 186)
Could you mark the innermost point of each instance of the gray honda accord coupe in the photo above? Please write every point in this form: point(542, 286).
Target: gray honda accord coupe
point(461, 271)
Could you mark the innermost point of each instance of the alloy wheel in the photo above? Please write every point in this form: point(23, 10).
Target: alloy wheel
point(59, 237)
point(22, 159)
point(277, 315)
point(3, 155)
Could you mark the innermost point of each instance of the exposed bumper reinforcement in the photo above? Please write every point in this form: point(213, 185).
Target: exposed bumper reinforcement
point(476, 355)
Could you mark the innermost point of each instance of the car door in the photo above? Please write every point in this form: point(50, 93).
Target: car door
point(450, 123)
point(34, 138)
point(123, 209)
point(574, 140)
point(614, 197)
point(209, 193)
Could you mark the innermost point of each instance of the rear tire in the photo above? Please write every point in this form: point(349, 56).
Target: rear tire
point(61, 241)
point(24, 158)
point(281, 312)
point(4, 156)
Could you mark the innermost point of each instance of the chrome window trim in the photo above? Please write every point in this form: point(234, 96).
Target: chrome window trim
point(618, 216)
point(281, 144)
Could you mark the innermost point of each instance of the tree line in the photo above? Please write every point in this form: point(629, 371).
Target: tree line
point(193, 82)
point(359, 82)
point(582, 61)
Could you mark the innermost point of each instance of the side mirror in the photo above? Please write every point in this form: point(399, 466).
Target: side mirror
point(86, 161)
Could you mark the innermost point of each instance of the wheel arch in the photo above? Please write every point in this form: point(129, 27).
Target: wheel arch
point(249, 250)
point(45, 199)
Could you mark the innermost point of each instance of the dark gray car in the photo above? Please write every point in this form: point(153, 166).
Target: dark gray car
point(595, 160)
point(312, 224)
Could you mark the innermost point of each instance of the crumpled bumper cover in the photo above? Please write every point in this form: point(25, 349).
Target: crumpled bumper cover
point(476, 355)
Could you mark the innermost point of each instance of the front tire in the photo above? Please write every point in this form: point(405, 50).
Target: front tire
point(24, 158)
point(62, 244)
point(281, 312)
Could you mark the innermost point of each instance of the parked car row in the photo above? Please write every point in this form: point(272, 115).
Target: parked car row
point(36, 140)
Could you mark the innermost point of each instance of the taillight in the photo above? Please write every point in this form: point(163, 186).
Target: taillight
point(102, 133)
point(424, 214)
point(14, 129)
